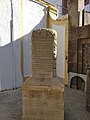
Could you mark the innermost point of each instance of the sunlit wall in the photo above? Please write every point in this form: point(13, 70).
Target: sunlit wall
point(26, 16)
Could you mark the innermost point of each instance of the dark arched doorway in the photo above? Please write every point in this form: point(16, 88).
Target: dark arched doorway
point(77, 83)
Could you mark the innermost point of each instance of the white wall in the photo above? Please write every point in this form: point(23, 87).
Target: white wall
point(80, 5)
point(33, 17)
point(5, 22)
point(60, 49)
point(6, 54)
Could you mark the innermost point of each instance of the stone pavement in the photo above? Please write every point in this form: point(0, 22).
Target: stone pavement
point(10, 105)
point(75, 105)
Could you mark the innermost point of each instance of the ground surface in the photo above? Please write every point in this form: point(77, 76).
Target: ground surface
point(75, 105)
point(11, 102)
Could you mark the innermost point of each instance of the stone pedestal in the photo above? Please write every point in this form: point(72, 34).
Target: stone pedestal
point(88, 91)
point(43, 101)
point(43, 97)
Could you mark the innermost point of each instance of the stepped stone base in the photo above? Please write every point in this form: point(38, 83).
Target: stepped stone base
point(43, 100)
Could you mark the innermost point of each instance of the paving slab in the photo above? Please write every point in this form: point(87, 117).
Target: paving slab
point(75, 105)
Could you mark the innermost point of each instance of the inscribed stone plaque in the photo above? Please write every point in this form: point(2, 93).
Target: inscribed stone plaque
point(43, 53)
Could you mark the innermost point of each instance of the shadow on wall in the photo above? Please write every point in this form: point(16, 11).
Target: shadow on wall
point(10, 70)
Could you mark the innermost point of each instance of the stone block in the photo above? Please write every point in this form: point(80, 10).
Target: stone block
point(79, 57)
point(73, 45)
point(43, 100)
point(72, 67)
point(72, 57)
point(80, 68)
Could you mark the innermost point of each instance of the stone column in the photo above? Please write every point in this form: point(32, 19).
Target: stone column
point(88, 91)
point(73, 13)
point(43, 97)
point(72, 40)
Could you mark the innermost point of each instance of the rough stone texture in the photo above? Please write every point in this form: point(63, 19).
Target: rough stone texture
point(43, 97)
point(79, 49)
point(72, 50)
point(75, 37)
point(88, 91)
point(43, 102)
point(79, 53)
point(83, 51)
point(83, 54)
point(11, 105)
point(73, 13)
point(86, 57)
point(44, 49)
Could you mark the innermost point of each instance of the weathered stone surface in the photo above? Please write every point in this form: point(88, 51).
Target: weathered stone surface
point(80, 68)
point(86, 57)
point(73, 13)
point(79, 49)
point(72, 50)
point(73, 45)
point(72, 67)
point(72, 57)
point(43, 100)
point(44, 48)
point(43, 93)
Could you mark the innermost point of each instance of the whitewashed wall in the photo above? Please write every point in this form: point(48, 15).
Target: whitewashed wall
point(34, 17)
point(60, 49)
